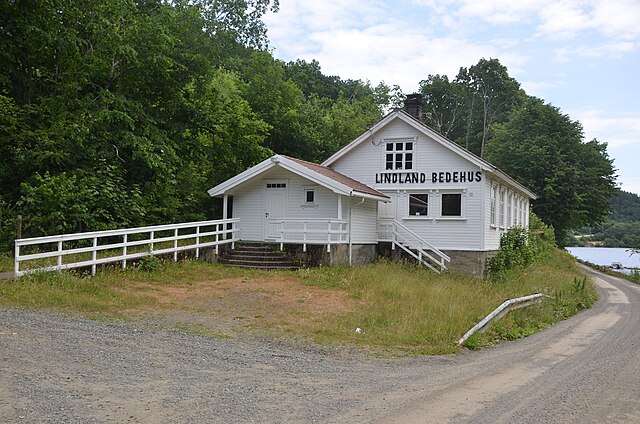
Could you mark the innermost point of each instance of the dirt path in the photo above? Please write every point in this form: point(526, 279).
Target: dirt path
point(59, 369)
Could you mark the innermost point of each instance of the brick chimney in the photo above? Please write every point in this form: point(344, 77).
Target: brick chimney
point(413, 105)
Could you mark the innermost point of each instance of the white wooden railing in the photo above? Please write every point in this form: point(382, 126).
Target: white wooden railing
point(117, 245)
point(393, 231)
point(326, 231)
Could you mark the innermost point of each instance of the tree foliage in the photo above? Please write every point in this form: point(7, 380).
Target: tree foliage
point(544, 150)
point(122, 113)
point(465, 109)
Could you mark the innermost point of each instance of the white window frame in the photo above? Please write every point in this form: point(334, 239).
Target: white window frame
point(463, 214)
point(501, 193)
point(305, 203)
point(494, 206)
point(509, 219)
point(429, 202)
point(394, 151)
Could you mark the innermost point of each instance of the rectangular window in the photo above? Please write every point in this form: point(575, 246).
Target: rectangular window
point(452, 204)
point(501, 208)
point(493, 205)
point(276, 185)
point(418, 204)
point(399, 155)
point(509, 209)
point(310, 196)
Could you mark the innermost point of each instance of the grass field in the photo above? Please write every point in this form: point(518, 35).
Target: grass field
point(402, 309)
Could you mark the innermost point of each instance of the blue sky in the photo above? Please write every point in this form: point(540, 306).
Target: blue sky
point(582, 56)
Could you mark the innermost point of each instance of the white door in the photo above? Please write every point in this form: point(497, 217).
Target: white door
point(275, 201)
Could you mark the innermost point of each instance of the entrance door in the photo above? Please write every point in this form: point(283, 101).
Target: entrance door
point(275, 206)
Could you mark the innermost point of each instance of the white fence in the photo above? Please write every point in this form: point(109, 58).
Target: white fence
point(310, 231)
point(102, 247)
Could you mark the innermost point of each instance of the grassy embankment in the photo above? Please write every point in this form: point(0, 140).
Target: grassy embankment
point(402, 309)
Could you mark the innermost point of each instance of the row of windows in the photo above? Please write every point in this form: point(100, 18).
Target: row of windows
point(507, 208)
point(450, 204)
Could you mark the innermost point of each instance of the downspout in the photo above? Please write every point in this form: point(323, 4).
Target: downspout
point(350, 225)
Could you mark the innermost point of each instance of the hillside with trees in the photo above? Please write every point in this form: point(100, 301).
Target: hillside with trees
point(622, 227)
point(121, 113)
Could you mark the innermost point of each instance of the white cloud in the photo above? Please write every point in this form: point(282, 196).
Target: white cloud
point(540, 88)
point(557, 19)
point(389, 49)
point(614, 50)
point(619, 19)
point(618, 131)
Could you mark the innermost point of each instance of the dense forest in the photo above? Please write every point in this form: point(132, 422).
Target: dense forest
point(622, 227)
point(123, 113)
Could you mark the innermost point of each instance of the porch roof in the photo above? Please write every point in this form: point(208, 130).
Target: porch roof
point(322, 175)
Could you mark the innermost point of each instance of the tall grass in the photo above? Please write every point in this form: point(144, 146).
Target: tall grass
point(405, 307)
point(400, 308)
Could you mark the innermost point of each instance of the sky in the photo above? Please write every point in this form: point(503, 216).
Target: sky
point(582, 56)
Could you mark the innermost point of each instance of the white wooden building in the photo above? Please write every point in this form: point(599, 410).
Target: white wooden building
point(400, 185)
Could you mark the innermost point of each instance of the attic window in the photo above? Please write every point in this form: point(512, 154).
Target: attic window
point(399, 155)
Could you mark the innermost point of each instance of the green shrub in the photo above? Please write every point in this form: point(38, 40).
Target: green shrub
point(150, 263)
point(516, 250)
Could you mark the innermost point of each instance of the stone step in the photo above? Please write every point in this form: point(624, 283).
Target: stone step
point(256, 258)
point(266, 267)
point(259, 256)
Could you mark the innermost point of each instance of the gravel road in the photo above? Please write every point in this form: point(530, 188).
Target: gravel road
point(59, 369)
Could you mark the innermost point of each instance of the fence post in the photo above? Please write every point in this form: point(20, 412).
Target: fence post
point(60, 253)
point(304, 236)
point(197, 242)
point(175, 245)
point(233, 235)
point(16, 258)
point(94, 255)
point(124, 251)
point(217, 234)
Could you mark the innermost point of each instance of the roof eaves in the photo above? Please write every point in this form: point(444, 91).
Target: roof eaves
point(229, 184)
point(314, 176)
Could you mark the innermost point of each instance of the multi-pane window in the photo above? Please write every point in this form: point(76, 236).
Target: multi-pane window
point(418, 204)
point(451, 204)
point(399, 155)
point(276, 185)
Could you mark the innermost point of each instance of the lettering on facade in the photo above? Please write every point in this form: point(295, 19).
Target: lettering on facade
point(421, 177)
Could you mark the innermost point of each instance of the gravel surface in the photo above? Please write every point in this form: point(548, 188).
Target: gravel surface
point(55, 368)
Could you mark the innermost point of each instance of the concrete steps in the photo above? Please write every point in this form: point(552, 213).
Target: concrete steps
point(259, 256)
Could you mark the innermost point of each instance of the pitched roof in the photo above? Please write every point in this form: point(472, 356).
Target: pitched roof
point(438, 138)
point(326, 177)
point(341, 178)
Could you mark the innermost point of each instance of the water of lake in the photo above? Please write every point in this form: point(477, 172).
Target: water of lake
point(606, 256)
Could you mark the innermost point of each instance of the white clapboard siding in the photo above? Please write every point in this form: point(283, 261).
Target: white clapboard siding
point(364, 228)
point(492, 233)
point(367, 159)
point(248, 202)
